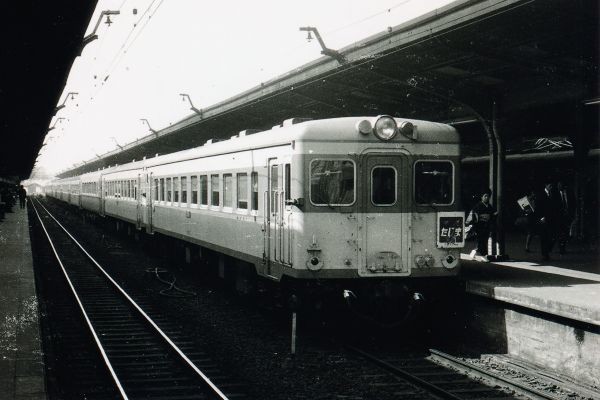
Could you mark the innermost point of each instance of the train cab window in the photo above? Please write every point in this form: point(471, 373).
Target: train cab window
point(162, 189)
point(184, 190)
point(242, 191)
point(254, 183)
point(332, 182)
point(383, 186)
point(227, 190)
point(194, 189)
point(215, 190)
point(176, 190)
point(203, 190)
point(168, 189)
point(434, 182)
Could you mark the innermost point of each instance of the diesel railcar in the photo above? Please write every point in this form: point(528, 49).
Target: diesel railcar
point(348, 203)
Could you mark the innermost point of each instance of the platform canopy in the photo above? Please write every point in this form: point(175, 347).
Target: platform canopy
point(537, 59)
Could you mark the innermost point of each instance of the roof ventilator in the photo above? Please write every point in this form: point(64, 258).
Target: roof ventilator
point(294, 121)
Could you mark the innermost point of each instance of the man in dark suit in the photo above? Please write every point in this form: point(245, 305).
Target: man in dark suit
point(549, 213)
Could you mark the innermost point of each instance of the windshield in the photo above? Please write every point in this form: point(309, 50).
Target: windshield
point(434, 181)
point(332, 182)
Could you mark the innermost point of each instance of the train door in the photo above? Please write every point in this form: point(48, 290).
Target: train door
point(386, 218)
point(79, 191)
point(140, 206)
point(103, 193)
point(98, 193)
point(277, 240)
point(151, 188)
point(144, 201)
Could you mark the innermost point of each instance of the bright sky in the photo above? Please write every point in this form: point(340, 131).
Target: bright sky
point(155, 49)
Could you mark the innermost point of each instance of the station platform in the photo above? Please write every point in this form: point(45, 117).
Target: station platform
point(544, 312)
point(21, 358)
point(568, 285)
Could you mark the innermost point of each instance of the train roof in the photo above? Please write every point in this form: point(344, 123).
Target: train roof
point(334, 129)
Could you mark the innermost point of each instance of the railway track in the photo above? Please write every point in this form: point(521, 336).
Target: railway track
point(144, 361)
point(447, 377)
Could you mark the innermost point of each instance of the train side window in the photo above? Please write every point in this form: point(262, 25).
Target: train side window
point(332, 182)
point(203, 190)
point(434, 182)
point(227, 190)
point(287, 181)
point(383, 186)
point(254, 183)
point(162, 189)
point(176, 189)
point(194, 189)
point(184, 190)
point(274, 187)
point(168, 189)
point(242, 191)
point(214, 187)
point(156, 190)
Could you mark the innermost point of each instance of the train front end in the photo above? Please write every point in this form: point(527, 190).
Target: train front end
point(381, 213)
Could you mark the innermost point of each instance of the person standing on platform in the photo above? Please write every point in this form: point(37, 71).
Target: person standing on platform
point(22, 196)
point(531, 218)
point(549, 213)
point(482, 218)
point(565, 217)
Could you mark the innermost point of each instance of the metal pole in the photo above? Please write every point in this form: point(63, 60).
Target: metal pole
point(294, 333)
point(499, 192)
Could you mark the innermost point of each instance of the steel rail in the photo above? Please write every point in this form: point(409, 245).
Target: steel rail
point(85, 315)
point(406, 375)
point(448, 360)
point(205, 378)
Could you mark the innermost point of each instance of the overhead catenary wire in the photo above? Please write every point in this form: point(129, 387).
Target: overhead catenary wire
point(355, 64)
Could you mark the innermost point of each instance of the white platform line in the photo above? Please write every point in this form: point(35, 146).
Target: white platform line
point(547, 269)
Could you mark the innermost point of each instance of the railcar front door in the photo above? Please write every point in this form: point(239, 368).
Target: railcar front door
point(386, 217)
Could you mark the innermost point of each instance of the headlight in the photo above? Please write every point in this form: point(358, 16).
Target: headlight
point(385, 128)
point(364, 127)
point(429, 260)
point(420, 261)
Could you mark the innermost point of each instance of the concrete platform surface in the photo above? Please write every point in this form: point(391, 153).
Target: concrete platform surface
point(21, 358)
point(558, 291)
